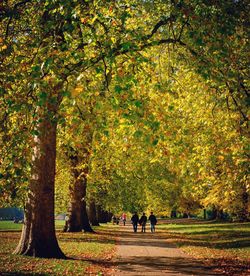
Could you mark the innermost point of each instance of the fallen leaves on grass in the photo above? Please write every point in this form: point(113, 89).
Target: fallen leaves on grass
point(86, 252)
point(225, 246)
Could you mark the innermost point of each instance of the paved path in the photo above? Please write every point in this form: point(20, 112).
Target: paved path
point(150, 254)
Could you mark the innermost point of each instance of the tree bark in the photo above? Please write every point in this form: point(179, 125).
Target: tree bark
point(38, 237)
point(173, 214)
point(92, 213)
point(204, 213)
point(243, 214)
point(86, 225)
point(220, 215)
point(103, 216)
point(214, 213)
point(78, 217)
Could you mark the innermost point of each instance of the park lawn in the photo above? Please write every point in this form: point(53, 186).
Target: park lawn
point(8, 225)
point(224, 245)
point(87, 254)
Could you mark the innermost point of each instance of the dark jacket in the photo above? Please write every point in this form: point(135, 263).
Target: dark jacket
point(135, 219)
point(152, 219)
point(143, 220)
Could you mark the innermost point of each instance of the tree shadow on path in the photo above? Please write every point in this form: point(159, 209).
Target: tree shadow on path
point(163, 266)
point(151, 254)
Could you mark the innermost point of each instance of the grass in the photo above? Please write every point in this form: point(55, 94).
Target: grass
point(224, 244)
point(7, 225)
point(87, 253)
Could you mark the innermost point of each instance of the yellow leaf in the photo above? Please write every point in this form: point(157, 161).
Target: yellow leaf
point(3, 47)
point(83, 20)
point(94, 19)
point(76, 91)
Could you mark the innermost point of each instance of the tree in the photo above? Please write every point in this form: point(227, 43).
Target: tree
point(185, 130)
point(78, 217)
point(218, 46)
point(62, 39)
point(57, 42)
point(93, 218)
point(38, 238)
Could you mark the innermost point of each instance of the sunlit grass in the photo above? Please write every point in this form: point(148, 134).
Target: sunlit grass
point(8, 225)
point(86, 253)
point(224, 244)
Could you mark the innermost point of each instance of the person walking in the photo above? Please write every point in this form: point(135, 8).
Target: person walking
point(114, 219)
point(135, 220)
point(143, 221)
point(124, 217)
point(153, 221)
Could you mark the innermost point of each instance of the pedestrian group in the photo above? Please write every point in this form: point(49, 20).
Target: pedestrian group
point(142, 222)
point(135, 220)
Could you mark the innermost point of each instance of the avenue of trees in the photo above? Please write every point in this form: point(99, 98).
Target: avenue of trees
point(111, 106)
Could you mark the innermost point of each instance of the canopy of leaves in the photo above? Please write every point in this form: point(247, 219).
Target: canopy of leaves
point(154, 93)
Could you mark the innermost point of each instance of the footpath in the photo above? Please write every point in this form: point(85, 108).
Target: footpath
point(150, 254)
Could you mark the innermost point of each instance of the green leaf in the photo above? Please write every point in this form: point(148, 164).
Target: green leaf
point(155, 142)
point(155, 125)
point(48, 62)
point(138, 103)
point(43, 95)
point(118, 89)
point(138, 134)
point(170, 107)
point(2, 91)
point(35, 68)
point(66, 93)
point(106, 133)
point(35, 132)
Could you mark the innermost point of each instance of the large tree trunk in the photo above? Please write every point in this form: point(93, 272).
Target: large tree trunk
point(77, 194)
point(217, 214)
point(92, 213)
point(214, 213)
point(78, 217)
point(243, 214)
point(220, 215)
point(38, 237)
point(103, 216)
point(204, 213)
point(86, 225)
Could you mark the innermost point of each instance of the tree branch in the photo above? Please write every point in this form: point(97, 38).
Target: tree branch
point(12, 13)
point(236, 104)
point(161, 23)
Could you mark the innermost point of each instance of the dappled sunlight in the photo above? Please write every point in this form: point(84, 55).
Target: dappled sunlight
point(85, 253)
point(147, 265)
point(204, 250)
point(112, 110)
